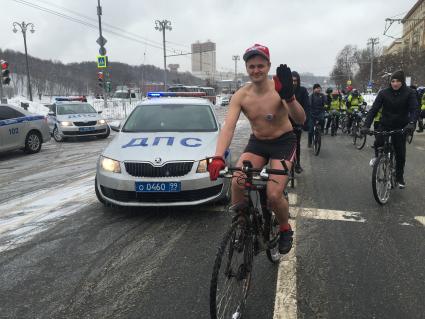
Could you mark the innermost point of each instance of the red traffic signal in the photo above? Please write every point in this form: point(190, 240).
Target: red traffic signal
point(5, 72)
point(100, 76)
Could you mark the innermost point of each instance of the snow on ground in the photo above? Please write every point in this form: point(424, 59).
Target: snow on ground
point(23, 218)
point(36, 107)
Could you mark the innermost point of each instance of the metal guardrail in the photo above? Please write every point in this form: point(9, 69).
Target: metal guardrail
point(115, 109)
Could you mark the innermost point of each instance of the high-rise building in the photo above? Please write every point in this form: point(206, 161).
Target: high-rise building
point(204, 59)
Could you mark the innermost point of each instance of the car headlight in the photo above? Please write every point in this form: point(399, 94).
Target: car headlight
point(101, 122)
point(202, 166)
point(66, 123)
point(110, 165)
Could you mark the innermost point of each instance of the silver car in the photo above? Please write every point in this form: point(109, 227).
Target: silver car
point(159, 156)
point(70, 118)
point(20, 129)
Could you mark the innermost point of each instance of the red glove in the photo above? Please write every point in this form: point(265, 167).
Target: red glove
point(216, 165)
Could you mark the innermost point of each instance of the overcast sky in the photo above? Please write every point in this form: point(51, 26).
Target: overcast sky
point(305, 34)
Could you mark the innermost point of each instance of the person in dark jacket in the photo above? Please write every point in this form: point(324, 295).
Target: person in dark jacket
point(399, 110)
point(317, 110)
point(301, 95)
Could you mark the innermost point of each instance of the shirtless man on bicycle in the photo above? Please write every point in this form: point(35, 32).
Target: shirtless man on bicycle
point(267, 104)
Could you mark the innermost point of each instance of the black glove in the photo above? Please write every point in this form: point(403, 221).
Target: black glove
point(409, 128)
point(364, 130)
point(283, 82)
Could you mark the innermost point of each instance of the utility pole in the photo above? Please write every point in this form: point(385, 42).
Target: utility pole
point(24, 26)
point(102, 51)
point(372, 42)
point(236, 58)
point(162, 26)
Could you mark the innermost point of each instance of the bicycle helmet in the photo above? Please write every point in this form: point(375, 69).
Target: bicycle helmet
point(329, 90)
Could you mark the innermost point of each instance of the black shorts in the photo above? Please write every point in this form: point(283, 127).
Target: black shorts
point(282, 147)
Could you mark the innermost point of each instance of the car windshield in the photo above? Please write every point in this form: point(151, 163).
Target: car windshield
point(63, 109)
point(171, 118)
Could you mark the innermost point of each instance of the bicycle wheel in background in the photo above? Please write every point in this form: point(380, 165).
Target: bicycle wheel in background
point(359, 140)
point(409, 138)
point(317, 142)
point(381, 179)
point(231, 275)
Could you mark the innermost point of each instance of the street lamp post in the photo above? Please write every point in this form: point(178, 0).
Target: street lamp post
point(162, 26)
point(24, 26)
point(236, 58)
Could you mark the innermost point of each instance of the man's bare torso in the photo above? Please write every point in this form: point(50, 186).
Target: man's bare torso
point(266, 112)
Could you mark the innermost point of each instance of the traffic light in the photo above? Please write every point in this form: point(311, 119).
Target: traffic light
point(5, 72)
point(108, 86)
point(100, 79)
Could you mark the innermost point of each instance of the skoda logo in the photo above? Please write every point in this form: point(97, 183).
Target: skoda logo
point(158, 160)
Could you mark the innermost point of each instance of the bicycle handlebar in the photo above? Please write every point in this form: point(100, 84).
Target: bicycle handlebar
point(249, 171)
point(385, 133)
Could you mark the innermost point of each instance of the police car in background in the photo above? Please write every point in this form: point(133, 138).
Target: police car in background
point(71, 117)
point(20, 129)
point(159, 156)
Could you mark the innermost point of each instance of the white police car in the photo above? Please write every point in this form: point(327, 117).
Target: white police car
point(71, 117)
point(158, 157)
point(20, 129)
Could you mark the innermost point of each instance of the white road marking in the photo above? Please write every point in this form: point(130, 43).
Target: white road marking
point(328, 214)
point(285, 305)
point(293, 199)
point(420, 219)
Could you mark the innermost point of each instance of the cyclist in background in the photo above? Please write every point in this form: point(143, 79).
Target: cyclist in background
point(354, 104)
point(317, 110)
point(421, 93)
point(399, 111)
point(301, 95)
point(335, 106)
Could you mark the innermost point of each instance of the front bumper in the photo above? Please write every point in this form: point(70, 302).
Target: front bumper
point(76, 131)
point(196, 188)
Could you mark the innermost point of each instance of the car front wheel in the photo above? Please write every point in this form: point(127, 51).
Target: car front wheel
point(56, 135)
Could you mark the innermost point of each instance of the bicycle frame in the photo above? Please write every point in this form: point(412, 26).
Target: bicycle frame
point(255, 210)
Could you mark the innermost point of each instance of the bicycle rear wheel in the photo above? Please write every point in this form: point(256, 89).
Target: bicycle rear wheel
point(317, 142)
point(231, 275)
point(381, 179)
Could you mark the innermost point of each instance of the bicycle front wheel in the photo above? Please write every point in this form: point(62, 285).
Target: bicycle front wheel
point(231, 275)
point(381, 180)
point(359, 139)
point(410, 138)
point(272, 237)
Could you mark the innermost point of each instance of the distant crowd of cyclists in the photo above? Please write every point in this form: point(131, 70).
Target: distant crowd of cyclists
point(404, 106)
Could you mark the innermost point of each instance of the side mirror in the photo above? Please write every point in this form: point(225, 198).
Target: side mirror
point(51, 113)
point(99, 112)
point(115, 126)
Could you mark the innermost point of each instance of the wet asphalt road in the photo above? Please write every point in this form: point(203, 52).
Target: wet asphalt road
point(96, 262)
